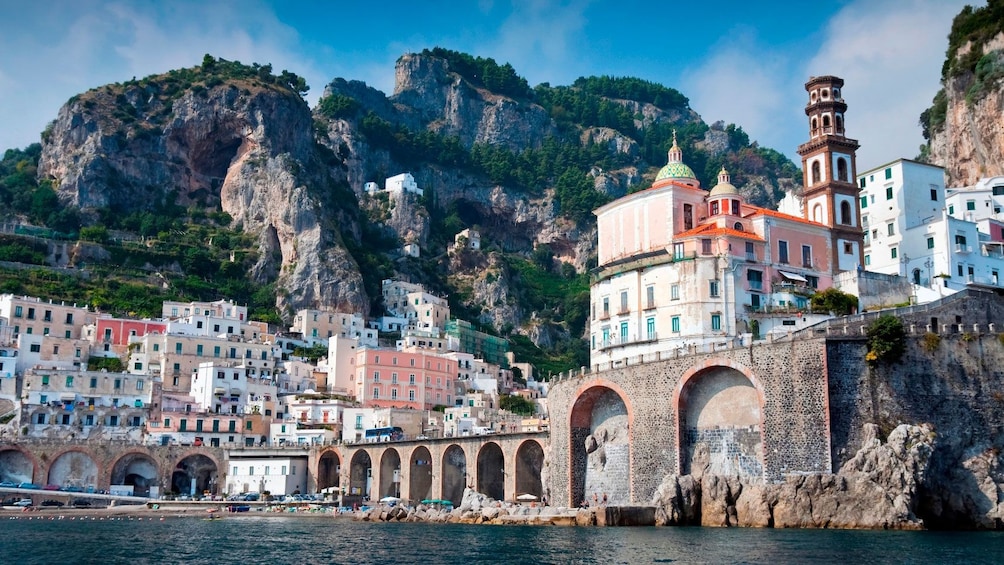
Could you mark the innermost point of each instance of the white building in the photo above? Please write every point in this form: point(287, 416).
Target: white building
point(939, 240)
point(402, 183)
point(277, 474)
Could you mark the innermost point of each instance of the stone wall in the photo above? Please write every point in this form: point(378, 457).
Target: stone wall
point(788, 375)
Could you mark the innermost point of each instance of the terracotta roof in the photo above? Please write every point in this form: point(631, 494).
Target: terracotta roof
point(756, 211)
point(713, 230)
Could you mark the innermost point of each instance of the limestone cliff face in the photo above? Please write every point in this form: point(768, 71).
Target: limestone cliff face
point(970, 143)
point(450, 105)
point(878, 488)
point(239, 145)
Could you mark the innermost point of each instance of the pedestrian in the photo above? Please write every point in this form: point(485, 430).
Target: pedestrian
point(596, 499)
point(604, 499)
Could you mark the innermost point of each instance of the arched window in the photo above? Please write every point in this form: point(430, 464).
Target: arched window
point(816, 175)
point(842, 169)
point(817, 213)
point(826, 123)
point(916, 276)
point(738, 226)
point(840, 124)
point(714, 208)
point(815, 125)
point(845, 213)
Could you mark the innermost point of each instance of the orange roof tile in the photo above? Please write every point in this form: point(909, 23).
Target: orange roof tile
point(713, 230)
point(757, 211)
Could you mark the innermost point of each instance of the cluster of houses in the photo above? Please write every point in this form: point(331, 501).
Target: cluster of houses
point(205, 374)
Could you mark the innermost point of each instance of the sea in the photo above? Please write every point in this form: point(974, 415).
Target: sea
point(298, 540)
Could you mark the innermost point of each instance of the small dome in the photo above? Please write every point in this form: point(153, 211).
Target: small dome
point(724, 187)
point(675, 171)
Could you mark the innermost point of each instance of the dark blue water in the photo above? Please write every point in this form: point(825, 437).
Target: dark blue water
point(277, 540)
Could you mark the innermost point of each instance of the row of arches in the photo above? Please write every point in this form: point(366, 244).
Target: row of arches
point(190, 475)
point(429, 477)
point(718, 412)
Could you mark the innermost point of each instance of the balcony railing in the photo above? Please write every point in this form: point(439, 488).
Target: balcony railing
point(617, 341)
point(963, 248)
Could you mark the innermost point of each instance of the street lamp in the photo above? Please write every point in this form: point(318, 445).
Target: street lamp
point(929, 264)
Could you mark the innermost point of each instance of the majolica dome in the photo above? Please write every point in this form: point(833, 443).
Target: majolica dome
point(675, 168)
point(724, 187)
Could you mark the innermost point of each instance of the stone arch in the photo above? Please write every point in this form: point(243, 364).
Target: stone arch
point(420, 474)
point(329, 466)
point(720, 424)
point(491, 471)
point(817, 174)
point(17, 465)
point(600, 444)
point(360, 474)
point(75, 467)
point(390, 473)
point(529, 464)
point(454, 478)
point(138, 469)
point(195, 474)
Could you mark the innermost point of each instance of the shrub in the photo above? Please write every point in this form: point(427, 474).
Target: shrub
point(885, 340)
point(931, 341)
point(835, 301)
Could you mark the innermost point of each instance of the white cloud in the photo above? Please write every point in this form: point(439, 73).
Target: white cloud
point(890, 55)
point(89, 44)
point(743, 82)
point(539, 38)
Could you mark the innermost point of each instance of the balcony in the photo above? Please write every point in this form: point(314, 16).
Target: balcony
point(650, 305)
point(963, 248)
point(617, 341)
point(754, 285)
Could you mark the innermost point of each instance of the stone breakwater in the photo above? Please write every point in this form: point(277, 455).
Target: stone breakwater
point(477, 508)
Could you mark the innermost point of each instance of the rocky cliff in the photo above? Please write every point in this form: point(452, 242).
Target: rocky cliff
point(242, 145)
point(963, 126)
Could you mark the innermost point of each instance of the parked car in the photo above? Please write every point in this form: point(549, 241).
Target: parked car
point(50, 487)
point(57, 503)
point(252, 496)
point(72, 488)
point(81, 503)
point(8, 484)
point(24, 503)
point(32, 486)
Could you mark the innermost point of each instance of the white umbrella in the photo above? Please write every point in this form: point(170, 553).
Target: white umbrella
point(528, 497)
point(389, 499)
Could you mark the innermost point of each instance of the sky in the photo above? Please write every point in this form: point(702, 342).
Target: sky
point(740, 61)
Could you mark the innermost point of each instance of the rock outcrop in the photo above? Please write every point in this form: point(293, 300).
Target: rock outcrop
point(879, 488)
point(240, 145)
point(970, 142)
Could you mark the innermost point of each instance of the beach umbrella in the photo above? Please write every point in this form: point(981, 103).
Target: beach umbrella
point(526, 497)
point(389, 499)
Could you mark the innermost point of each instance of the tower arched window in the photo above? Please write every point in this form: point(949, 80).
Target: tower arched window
point(815, 125)
point(826, 123)
point(916, 276)
point(738, 226)
point(842, 169)
point(816, 174)
point(845, 213)
point(714, 208)
point(840, 124)
point(817, 213)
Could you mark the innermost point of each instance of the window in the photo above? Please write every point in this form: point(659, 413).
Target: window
point(393, 394)
point(848, 248)
point(893, 252)
point(31, 313)
point(888, 193)
point(930, 243)
point(674, 292)
point(650, 297)
point(411, 396)
point(678, 251)
point(624, 332)
point(606, 307)
point(811, 281)
point(807, 255)
point(705, 247)
point(755, 279)
point(18, 311)
point(934, 193)
point(845, 213)
point(688, 216)
point(960, 269)
point(750, 252)
point(868, 260)
point(970, 204)
point(94, 382)
point(816, 176)
point(782, 251)
point(45, 380)
point(714, 208)
point(198, 349)
point(624, 301)
point(139, 384)
point(35, 347)
point(650, 328)
point(842, 169)
point(888, 173)
point(69, 381)
point(735, 207)
point(864, 199)
point(177, 347)
point(951, 209)
point(376, 393)
point(713, 288)
point(890, 228)
point(675, 324)
point(716, 322)
point(118, 384)
point(861, 182)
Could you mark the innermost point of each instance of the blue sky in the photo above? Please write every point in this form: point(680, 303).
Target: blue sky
point(739, 61)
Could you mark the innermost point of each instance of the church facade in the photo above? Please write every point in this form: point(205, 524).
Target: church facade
point(679, 265)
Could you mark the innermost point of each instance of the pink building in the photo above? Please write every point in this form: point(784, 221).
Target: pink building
point(387, 378)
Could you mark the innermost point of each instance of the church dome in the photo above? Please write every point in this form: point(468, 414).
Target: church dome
point(675, 168)
point(724, 187)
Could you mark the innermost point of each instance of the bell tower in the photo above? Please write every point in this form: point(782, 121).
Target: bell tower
point(830, 196)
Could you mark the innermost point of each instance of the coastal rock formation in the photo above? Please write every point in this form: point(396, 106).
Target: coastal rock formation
point(240, 145)
point(878, 488)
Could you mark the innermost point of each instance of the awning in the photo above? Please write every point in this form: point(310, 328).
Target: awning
point(792, 276)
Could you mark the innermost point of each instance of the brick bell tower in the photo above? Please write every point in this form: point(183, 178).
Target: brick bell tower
point(830, 196)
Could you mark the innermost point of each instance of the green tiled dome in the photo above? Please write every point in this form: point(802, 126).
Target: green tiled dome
point(675, 171)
